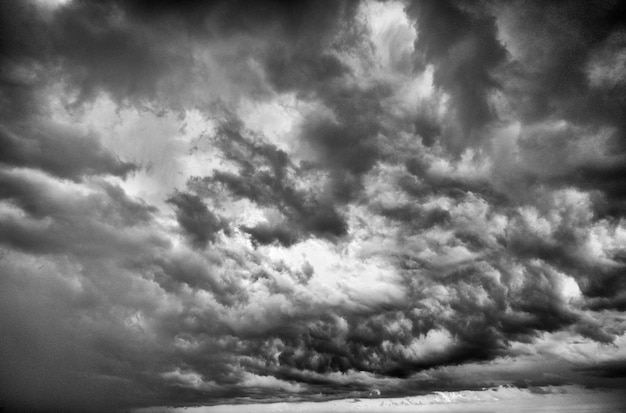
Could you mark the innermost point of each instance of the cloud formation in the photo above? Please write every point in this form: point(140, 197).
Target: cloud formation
point(209, 202)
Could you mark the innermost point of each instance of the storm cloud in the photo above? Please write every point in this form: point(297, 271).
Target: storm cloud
point(207, 202)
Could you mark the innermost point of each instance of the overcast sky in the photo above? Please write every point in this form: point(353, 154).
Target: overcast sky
point(208, 202)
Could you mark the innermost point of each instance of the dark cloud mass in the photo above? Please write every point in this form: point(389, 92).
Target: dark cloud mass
point(195, 218)
point(207, 202)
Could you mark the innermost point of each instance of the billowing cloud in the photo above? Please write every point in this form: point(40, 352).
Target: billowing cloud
point(217, 202)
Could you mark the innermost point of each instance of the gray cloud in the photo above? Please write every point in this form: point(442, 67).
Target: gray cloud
point(442, 213)
point(60, 151)
point(462, 43)
point(195, 218)
point(263, 177)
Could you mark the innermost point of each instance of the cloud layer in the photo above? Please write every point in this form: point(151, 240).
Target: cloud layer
point(223, 201)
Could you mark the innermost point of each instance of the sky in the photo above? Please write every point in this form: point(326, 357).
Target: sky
point(214, 202)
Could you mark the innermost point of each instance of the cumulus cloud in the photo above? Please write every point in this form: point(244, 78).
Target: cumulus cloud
point(212, 202)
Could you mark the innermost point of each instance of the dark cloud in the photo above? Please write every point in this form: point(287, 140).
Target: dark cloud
point(265, 176)
point(555, 43)
point(364, 206)
point(129, 49)
point(195, 218)
point(432, 182)
point(349, 141)
point(559, 71)
point(267, 234)
point(60, 218)
point(85, 32)
point(63, 209)
point(614, 369)
point(60, 151)
point(462, 43)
